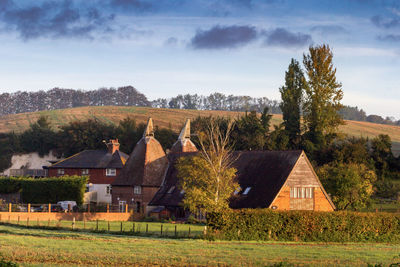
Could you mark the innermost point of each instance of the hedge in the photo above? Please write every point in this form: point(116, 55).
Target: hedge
point(266, 224)
point(45, 190)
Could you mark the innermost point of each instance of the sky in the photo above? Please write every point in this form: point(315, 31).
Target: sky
point(168, 47)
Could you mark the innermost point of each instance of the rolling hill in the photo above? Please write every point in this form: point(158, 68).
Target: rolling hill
point(173, 118)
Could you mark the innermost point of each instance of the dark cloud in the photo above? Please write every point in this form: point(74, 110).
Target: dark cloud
point(220, 37)
point(329, 29)
point(54, 19)
point(389, 38)
point(282, 37)
point(386, 23)
point(132, 5)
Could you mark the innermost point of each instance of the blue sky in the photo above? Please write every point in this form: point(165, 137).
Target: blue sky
point(170, 47)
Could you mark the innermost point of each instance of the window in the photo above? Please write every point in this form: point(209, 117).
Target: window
point(85, 171)
point(237, 190)
point(111, 172)
point(60, 172)
point(108, 189)
point(301, 192)
point(171, 190)
point(246, 191)
point(182, 192)
point(137, 190)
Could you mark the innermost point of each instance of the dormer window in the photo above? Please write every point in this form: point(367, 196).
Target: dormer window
point(111, 172)
point(171, 190)
point(246, 191)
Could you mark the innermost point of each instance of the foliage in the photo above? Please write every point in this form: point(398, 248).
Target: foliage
point(266, 224)
point(292, 98)
point(207, 179)
point(323, 94)
point(351, 185)
point(382, 151)
point(46, 190)
point(251, 131)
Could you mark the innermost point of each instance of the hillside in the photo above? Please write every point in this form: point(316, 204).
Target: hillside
point(167, 118)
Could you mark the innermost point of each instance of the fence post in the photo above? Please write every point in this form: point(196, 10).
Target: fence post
point(161, 229)
point(29, 207)
point(18, 219)
point(121, 227)
point(126, 208)
point(27, 221)
point(147, 228)
point(133, 226)
point(73, 223)
point(9, 207)
point(37, 221)
point(48, 223)
point(49, 208)
point(189, 231)
point(108, 222)
point(97, 225)
point(175, 231)
point(108, 208)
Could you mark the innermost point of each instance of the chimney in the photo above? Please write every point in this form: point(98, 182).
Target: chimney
point(112, 146)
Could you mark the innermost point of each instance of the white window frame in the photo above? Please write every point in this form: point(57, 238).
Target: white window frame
point(302, 192)
point(111, 172)
point(85, 171)
point(60, 172)
point(137, 190)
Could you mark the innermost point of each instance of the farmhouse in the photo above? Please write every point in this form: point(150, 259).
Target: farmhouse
point(142, 174)
point(102, 167)
point(282, 180)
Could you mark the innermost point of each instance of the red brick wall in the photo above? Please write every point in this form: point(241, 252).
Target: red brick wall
point(96, 176)
point(79, 216)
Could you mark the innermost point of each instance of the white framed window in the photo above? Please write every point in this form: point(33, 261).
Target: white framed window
point(171, 190)
point(60, 171)
point(301, 192)
point(182, 192)
point(111, 172)
point(247, 190)
point(85, 171)
point(137, 190)
point(108, 190)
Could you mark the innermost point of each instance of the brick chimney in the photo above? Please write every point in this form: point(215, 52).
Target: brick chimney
point(112, 146)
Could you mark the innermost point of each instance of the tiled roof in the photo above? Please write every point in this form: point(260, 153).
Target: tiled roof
point(264, 171)
point(93, 159)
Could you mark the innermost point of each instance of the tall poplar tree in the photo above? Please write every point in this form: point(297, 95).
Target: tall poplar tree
point(323, 94)
point(292, 97)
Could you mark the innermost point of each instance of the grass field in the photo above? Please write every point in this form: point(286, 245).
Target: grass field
point(169, 118)
point(138, 228)
point(35, 247)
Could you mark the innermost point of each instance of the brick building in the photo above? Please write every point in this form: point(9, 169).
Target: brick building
point(142, 174)
point(102, 167)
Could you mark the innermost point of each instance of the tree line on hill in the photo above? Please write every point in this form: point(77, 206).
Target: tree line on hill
point(58, 98)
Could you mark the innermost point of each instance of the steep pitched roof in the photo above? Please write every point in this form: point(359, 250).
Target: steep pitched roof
point(146, 164)
point(264, 171)
point(184, 144)
point(92, 159)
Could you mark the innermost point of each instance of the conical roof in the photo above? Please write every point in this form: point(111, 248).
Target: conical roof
point(146, 164)
point(184, 144)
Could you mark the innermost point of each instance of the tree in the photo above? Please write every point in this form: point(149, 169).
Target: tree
point(208, 178)
point(323, 94)
point(292, 98)
point(251, 131)
point(351, 185)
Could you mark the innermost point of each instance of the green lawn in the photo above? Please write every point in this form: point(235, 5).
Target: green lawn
point(140, 228)
point(50, 247)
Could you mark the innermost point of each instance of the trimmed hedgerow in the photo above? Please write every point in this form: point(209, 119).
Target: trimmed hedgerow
point(45, 190)
point(265, 224)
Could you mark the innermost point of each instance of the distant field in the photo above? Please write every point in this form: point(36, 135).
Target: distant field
point(168, 118)
point(54, 248)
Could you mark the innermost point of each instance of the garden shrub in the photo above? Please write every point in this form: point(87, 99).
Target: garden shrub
point(266, 224)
